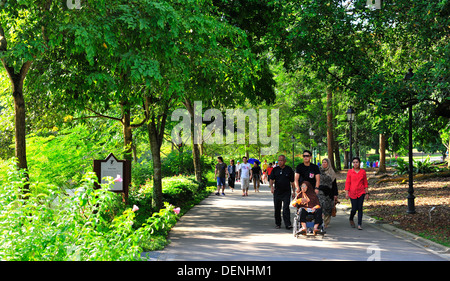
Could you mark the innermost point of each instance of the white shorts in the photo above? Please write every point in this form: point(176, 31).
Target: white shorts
point(245, 183)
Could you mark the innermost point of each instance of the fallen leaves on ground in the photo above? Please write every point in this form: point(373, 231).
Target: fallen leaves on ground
point(388, 204)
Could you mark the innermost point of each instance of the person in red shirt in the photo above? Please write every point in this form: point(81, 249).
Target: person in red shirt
point(356, 188)
point(269, 170)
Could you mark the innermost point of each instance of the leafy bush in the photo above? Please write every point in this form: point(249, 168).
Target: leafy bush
point(180, 191)
point(402, 167)
point(88, 225)
point(176, 190)
point(141, 171)
point(419, 167)
point(176, 163)
point(425, 167)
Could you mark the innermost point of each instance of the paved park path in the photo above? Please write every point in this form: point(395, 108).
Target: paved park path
point(236, 228)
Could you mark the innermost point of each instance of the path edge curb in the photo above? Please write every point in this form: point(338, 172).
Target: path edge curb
point(428, 245)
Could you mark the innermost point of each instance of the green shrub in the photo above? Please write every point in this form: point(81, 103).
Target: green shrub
point(91, 224)
point(141, 171)
point(419, 167)
point(402, 167)
point(179, 191)
point(176, 190)
point(425, 167)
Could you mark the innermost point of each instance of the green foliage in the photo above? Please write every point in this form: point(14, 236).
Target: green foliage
point(141, 172)
point(88, 225)
point(425, 167)
point(60, 157)
point(419, 167)
point(402, 167)
point(182, 163)
point(180, 191)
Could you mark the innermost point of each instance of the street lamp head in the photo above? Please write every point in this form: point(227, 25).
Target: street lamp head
point(293, 138)
point(350, 115)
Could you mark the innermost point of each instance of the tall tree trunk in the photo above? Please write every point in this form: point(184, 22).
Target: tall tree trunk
point(127, 133)
point(20, 128)
point(197, 162)
point(346, 160)
point(155, 128)
point(330, 137)
point(157, 199)
point(382, 166)
point(196, 149)
point(17, 81)
point(337, 159)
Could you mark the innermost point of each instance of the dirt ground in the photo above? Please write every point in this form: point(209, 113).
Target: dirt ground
point(388, 204)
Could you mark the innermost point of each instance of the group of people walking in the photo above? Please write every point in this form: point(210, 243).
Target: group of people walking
point(311, 187)
point(242, 172)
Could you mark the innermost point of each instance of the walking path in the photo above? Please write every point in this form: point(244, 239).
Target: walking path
point(236, 228)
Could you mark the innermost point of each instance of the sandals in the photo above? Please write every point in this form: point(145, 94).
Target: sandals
point(352, 224)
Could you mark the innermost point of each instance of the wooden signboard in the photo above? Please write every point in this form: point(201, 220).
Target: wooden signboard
point(117, 169)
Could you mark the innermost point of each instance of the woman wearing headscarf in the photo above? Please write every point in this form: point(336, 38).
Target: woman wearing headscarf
point(328, 191)
point(308, 200)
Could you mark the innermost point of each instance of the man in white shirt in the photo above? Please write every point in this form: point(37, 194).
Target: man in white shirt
point(245, 173)
point(238, 173)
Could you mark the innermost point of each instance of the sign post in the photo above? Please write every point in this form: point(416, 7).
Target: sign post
point(120, 170)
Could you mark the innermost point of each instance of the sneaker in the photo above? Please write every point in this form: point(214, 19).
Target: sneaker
point(223, 194)
point(289, 227)
point(277, 227)
point(217, 193)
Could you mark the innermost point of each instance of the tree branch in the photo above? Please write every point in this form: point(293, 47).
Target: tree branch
point(104, 116)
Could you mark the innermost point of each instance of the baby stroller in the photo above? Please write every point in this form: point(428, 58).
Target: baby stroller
point(309, 223)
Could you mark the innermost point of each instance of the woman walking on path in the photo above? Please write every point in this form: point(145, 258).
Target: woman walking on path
point(356, 188)
point(328, 191)
point(231, 174)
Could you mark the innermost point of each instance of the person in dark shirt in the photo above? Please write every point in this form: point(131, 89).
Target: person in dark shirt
point(283, 178)
point(231, 174)
point(256, 171)
point(307, 171)
point(220, 172)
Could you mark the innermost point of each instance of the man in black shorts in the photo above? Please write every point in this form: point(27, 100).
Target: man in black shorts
point(283, 177)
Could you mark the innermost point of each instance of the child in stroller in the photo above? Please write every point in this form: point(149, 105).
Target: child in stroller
point(308, 210)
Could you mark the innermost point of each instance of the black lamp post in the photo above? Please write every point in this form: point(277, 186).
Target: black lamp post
point(350, 118)
point(293, 151)
point(411, 197)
